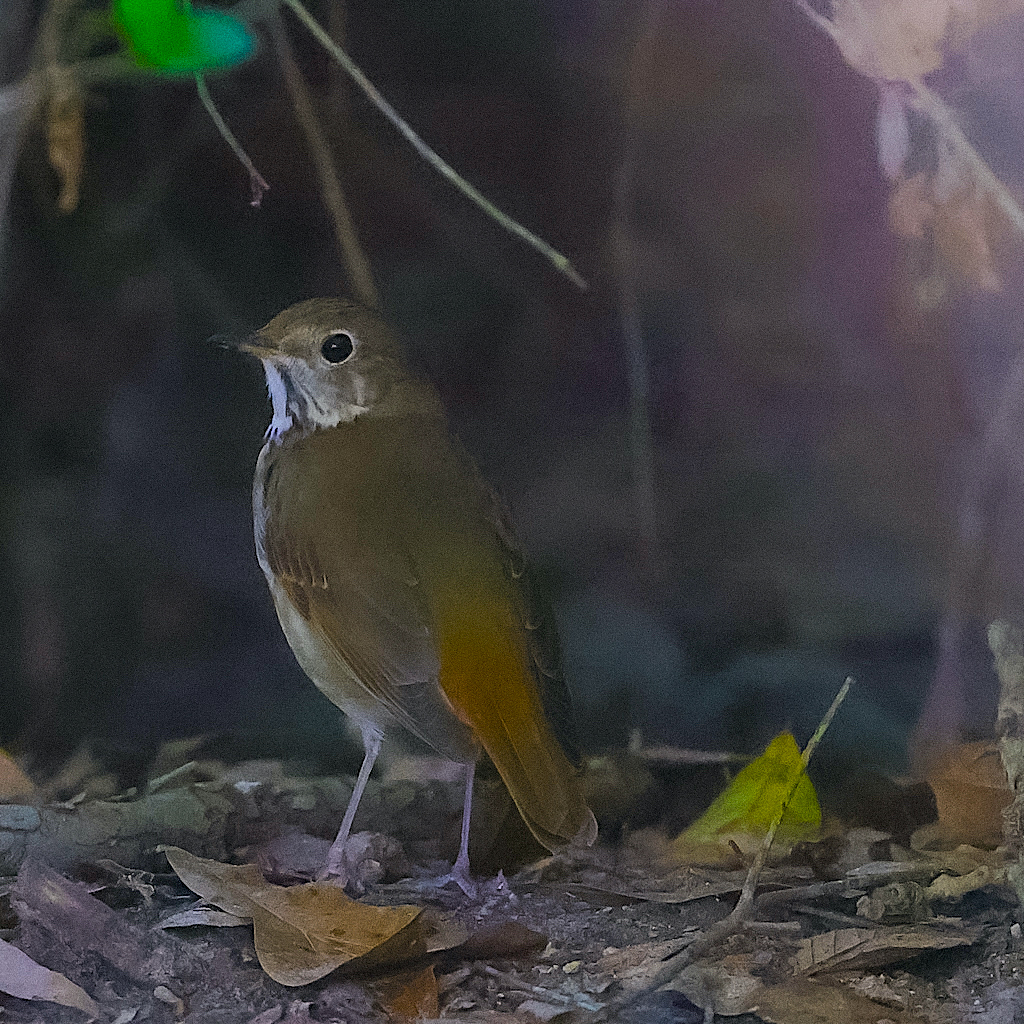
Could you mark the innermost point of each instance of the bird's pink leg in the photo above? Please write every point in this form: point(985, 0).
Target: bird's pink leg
point(335, 866)
point(459, 873)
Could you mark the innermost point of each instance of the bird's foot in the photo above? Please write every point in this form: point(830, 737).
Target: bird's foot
point(459, 874)
point(489, 889)
point(335, 872)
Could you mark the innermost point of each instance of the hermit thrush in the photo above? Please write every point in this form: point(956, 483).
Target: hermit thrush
point(395, 575)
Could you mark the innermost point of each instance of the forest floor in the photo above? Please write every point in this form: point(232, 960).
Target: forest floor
point(856, 928)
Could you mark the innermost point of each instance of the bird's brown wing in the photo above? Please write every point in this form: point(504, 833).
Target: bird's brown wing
point(413, 589)
point(352, 581)
point(537, 617)
point(500, 664)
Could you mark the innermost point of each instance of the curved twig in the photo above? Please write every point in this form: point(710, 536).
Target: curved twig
point(560, 262)
point(358, 266)
point(256, 180)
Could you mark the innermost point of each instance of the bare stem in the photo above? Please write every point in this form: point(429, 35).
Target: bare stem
point(641, 442)
point(560, 262)
point(746, 901)
point(742, 911)
point(931, 105)
point(356, 264)
point(256, 180)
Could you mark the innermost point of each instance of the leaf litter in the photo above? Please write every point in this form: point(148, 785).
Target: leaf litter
point(597, 936)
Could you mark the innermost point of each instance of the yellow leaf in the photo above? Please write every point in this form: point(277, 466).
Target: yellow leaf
point(746, 809)
point(303, 932)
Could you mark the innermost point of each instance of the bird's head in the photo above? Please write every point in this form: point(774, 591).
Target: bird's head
point(329, 361)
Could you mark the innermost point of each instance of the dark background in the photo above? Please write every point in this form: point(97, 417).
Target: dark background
point(812, 421)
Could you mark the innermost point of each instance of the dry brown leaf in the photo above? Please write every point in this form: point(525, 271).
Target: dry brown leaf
point(635, 967)
point(970, 792)
point(226, 885)
point(874, 948)
point(801, 1001)
point(504, 941)
point(15, 785)
point(962, 227)
point(410, 995)
point(955, 887)
point(965, 859)
point(304, 932)
point(911, 206)
point(965, 228)
point(895, 40)
point(203, 916)
point(22, 977)
point(726, 986)
point(67, 909)
point(65, 136)
point(729, 988)
point(441, 932)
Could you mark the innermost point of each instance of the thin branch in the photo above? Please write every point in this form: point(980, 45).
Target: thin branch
point(825, 24)
point(741, 913)
point(356, 264)
point(931, 105)
point(560, 262)
point(256, 180)
point(641, 441)
point(746, 901)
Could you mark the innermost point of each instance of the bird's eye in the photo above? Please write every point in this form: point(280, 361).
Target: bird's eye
point(337, 347)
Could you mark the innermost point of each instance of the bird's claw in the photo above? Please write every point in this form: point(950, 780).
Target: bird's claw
point(459, 874)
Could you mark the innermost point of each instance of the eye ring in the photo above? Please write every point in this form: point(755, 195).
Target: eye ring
point(337, 346)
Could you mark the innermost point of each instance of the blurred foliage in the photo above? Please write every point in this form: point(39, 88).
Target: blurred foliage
point(174, 37)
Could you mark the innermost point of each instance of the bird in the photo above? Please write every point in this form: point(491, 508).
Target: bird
point(396, 574)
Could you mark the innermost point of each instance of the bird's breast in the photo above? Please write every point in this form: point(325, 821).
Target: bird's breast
point(260, 511)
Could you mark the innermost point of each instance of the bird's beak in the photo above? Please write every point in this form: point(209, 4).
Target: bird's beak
point(254, 344)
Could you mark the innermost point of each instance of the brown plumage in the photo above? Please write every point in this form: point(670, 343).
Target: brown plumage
point(395, 573)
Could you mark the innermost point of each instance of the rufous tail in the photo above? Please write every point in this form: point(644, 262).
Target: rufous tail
point(486, 675)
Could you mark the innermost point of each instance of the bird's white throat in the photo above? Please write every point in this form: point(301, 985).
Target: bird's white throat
point(300, 400)
point(281, 422)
